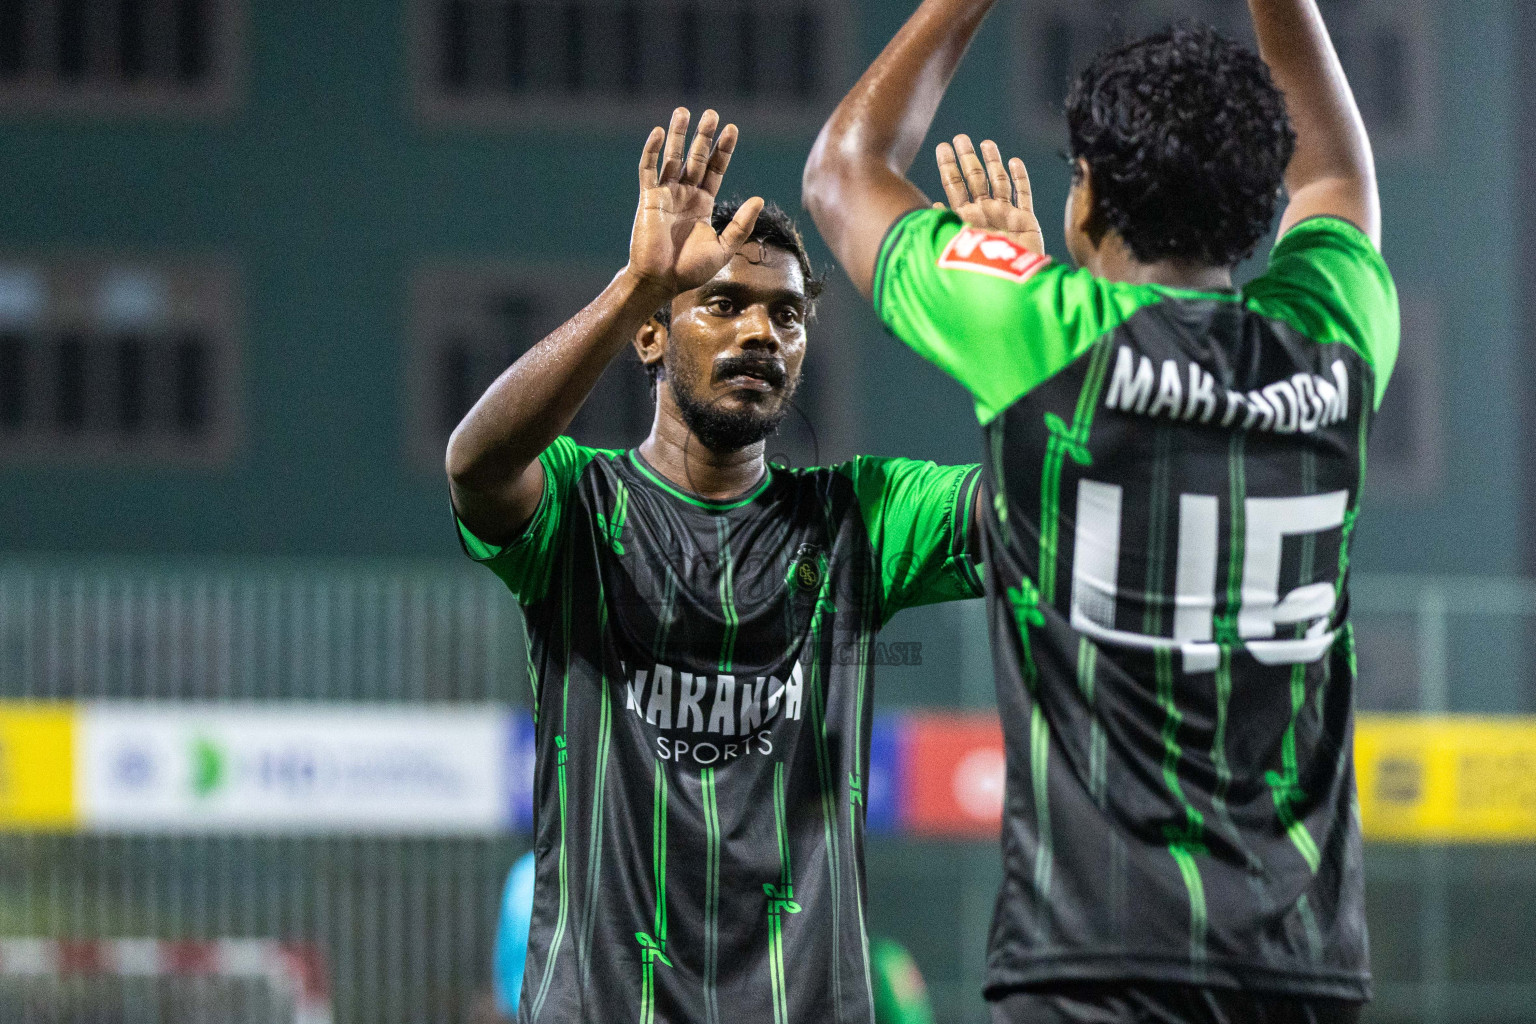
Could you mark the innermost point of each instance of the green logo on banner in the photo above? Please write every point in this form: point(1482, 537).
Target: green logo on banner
point(207, 767)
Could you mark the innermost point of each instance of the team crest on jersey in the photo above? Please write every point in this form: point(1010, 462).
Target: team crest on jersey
point(985, 252)
point(806, 570)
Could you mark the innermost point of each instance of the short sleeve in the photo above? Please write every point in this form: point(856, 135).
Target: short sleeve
point(1327, 280)
point(1000, 319)
point(525, 564)
point(919, 519)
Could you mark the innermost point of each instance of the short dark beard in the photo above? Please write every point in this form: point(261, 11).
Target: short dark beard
point(724, 430)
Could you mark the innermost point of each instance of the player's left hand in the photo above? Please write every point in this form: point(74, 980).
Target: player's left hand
point(990, 196)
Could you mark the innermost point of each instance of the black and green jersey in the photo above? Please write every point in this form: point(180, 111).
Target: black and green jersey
point(1173, 477)
point(701, 685)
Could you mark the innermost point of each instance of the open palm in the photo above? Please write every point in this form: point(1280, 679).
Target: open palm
point(990, 196)
point(674, 242)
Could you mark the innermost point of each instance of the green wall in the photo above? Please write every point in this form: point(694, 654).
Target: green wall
point(326, 188)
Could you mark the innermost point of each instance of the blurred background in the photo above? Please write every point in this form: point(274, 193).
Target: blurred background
point(262, 734)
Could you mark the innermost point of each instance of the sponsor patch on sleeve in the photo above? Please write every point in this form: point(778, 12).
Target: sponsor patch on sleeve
point(984, 252)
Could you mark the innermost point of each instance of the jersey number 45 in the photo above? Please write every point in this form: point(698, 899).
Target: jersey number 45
point(1261, 611)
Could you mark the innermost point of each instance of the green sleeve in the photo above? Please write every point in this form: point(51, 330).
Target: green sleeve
point(919, 519)
point(525, 564)
point(1327, 280)
point(1000, 320)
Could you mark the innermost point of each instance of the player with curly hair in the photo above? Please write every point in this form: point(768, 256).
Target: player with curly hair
point(1173, 473)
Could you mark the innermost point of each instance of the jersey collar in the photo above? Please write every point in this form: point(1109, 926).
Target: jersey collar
point(646, 470)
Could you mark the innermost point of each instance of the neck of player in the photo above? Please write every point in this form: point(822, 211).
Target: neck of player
point(1113, 261)
point(678, 455)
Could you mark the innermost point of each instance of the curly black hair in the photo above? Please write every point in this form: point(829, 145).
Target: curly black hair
point(1187, 139)
point(774, 227)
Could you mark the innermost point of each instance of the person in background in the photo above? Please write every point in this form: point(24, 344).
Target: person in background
point(510, 954)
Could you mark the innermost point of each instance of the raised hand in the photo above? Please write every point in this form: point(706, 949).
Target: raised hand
point(674, 246)
point(989, 195)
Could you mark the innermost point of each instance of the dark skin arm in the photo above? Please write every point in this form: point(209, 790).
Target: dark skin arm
point(493, 465)
point(855, 183)
point(1333, 173)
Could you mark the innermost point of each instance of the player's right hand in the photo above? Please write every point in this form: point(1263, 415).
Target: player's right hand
point(674, 247)
point(990, 196)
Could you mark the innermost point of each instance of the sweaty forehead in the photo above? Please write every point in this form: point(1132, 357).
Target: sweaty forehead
point(763, 268)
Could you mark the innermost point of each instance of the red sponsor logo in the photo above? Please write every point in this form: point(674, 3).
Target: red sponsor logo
point(955, 772)
point(984, 252)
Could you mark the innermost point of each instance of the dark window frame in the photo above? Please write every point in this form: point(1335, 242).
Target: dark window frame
point(128, 400)
point(203, 58)
point(774, 114)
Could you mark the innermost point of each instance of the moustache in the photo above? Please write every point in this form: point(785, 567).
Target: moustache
point(769, 370)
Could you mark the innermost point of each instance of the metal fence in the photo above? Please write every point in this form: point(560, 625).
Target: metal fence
point(406, 923)
point(261, 631)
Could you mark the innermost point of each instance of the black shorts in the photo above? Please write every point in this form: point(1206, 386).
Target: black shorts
point(1137, 1002)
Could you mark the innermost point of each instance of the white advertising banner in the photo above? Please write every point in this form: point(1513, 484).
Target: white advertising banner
point(296, 767)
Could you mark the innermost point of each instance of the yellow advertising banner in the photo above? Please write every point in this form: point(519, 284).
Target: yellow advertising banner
point(1447, 779)
point(37, 766)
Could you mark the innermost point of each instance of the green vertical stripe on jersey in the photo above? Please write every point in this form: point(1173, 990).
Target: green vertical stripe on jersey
point(599, 788)
point(786, 872)
point(1309, 925)
point(1024, 600)
point(665, 614)
point(711, 895)
point(1185, 842)
point(659, 853)
point(1039, 762)
point(827, 772)
point(727, 595)
point(1098, 745)
point(1226, 626)
point(1189, 869)
point(611, 527)
point(996, 442)
point(857, 796)
point(565, 894)
point(1086, 658)
point(1285, 787)
point(1066, 442)
point(781, 901)
point(533, 679)
point(594, 858)
point(653, 947)
point(563, 914)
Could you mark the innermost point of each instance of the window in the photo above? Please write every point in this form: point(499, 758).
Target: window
point(541, 59)
point(125, 54)
point(120, 359)
point(471, 323)
point(1385, 49)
